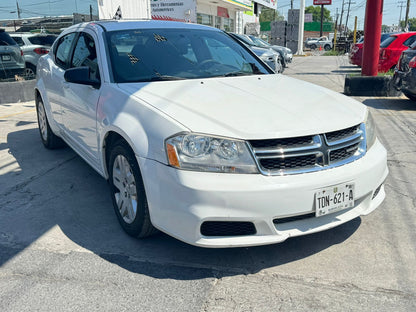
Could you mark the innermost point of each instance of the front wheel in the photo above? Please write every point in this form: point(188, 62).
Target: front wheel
point(313, 46)
point(128, 193)
point(327, 47)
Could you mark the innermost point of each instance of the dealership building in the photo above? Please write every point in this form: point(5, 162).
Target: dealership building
point(229, 15)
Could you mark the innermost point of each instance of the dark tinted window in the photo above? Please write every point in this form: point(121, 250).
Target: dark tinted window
point(85, 55)
point(18, 40)
point(409, 41)
point(387, 42)
point(167, 54)
point(5, 39)
point(42, 40)
point(63, 48)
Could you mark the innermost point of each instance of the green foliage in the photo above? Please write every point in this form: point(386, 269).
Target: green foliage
point(268, 15)
point(333, 53)
point(316, 13)
point(412, 24)
point(385, 28)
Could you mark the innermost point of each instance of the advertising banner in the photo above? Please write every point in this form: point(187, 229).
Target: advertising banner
point(174, 10)
point(268, 3)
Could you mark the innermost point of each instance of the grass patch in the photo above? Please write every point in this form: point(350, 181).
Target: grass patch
point(333, 53)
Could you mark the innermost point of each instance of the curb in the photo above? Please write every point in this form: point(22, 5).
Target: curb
point(17, 91)
point(370, 86)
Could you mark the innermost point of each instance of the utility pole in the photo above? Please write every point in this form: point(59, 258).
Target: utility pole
point(18, 10)
point(90, 12)
point(348, 15)
point(406, 21)
point(340, 21)
point(401, 6)
point(291, 4)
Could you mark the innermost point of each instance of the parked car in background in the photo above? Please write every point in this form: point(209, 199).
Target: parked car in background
point(314, 43)
point(11, 57)
point(33, 47)
point(285, 53)
point(356, 52)
point(199, 138)
point(267, 55)
point(392, 48)
point(404, 77)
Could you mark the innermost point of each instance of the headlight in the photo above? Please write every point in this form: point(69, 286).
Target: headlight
point(370, 130)
point(199, 152)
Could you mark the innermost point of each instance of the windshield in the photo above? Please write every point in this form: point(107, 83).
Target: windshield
point(260, 42)
point(47, 40)
point(169, 54)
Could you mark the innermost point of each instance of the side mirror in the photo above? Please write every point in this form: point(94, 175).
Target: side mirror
point(81, 75)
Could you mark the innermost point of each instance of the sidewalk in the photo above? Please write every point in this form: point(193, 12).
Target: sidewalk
point(326, 71)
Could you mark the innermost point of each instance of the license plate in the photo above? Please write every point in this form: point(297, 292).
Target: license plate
point(334, 198)
point(5, 58)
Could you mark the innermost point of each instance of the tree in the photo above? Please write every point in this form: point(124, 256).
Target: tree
point(316, 13)
point(268, 15)
point(385, 28)
point(412, 24)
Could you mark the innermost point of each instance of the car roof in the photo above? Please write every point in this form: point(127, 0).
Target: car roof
point(114, 25)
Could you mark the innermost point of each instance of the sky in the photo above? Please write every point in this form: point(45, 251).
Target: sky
point(36, 8)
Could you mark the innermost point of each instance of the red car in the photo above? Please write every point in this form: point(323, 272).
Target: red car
point(390, 50)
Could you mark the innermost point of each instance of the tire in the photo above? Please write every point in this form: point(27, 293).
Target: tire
point(410, 96)
point(30, 72)
point(127, 192)
point(327, 47)
point(283, 66)
point(313, 46)
point(49, 139)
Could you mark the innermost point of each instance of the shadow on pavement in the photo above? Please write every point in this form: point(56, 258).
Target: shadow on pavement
point(61, 190)
point(396, 104)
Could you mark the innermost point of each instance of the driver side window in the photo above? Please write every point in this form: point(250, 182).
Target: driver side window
point(85, 54)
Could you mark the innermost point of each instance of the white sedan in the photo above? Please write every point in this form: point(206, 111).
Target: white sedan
point(199, 139)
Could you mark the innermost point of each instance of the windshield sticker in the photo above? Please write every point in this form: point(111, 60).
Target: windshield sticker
point(159, 38)
point(133, 59)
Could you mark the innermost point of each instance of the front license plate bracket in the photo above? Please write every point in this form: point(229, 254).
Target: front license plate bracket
point(334, 198)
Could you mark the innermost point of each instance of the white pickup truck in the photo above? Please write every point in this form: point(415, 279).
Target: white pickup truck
point(323, 42)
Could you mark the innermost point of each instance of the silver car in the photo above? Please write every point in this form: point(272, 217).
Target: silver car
point(33, 47)
point(11, 57)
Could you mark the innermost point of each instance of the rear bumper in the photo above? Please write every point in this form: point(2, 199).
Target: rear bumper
point(181, 201)
point(11, 72)
point(405, 81)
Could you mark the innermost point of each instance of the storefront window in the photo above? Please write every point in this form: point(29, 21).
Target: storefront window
point(228, 24)
point(217, 22)
point(204, 19)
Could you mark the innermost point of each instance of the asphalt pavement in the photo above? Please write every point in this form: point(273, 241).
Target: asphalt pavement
point(62, 249)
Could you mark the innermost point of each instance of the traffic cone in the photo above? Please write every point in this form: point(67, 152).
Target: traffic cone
point(320, 48)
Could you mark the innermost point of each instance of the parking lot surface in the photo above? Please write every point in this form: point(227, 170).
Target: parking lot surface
point(62, 249)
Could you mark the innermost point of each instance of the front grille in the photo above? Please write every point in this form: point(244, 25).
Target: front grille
point(226, 228)
point(343, 153)
point(341, 134)
point(309, 153)
point(288, 163)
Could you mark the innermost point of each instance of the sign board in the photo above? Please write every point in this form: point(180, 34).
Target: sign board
point(322, 2)
point(268, 3)
point(174, 10)
point(308, 17)
point(108, 9)
point(246, 4)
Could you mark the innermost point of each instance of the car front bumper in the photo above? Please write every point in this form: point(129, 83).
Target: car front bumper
point(181, 201)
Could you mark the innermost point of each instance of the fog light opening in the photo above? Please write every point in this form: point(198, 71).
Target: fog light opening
point(377, 191)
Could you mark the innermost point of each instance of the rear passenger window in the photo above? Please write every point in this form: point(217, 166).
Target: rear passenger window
point(63, 49)
point(409, 41)
point(18, 40)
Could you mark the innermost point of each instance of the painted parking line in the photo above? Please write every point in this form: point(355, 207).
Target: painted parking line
point(14, 114)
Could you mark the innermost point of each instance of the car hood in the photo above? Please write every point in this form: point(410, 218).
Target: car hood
point(250, 107)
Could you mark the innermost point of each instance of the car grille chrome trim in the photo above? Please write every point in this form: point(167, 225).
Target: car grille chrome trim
point(309, 153)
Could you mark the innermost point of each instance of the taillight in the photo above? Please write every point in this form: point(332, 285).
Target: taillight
point(41, 51)
point(21, 52)
point(385, 54)
point(412, 63)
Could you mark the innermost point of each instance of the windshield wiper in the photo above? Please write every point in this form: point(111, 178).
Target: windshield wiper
point(237, 73)
point(165, 78)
